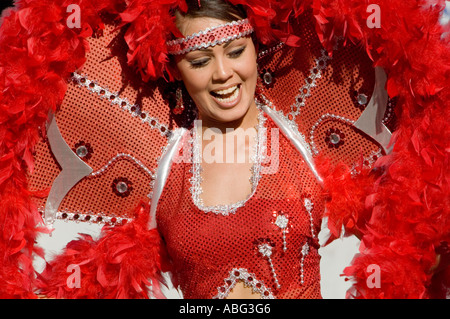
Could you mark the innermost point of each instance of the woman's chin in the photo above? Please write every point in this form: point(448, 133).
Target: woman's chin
point(234, 116)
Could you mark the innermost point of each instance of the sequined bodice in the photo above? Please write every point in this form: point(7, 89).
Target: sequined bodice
point(269, 243)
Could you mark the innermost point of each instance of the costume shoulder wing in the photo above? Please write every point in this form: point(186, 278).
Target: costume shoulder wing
point(102, 146)
point(336, 100)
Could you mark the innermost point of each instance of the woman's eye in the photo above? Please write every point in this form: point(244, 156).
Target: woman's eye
point(236, 53)
point(199, 63)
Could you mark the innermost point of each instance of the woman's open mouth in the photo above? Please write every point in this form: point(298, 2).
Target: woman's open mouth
point(227, 97)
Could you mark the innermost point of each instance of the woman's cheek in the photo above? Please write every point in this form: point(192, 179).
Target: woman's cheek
point(196, 81)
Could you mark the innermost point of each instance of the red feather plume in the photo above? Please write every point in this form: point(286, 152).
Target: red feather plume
point(118, 265)
point(38, 52)
point(406, 209)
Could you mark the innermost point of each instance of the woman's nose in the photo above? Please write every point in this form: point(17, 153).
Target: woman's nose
point(223, 70)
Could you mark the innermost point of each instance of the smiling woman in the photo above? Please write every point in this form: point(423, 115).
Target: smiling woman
point(221, 75)
point(221, 80)
point(223, 147)
point(234, 204)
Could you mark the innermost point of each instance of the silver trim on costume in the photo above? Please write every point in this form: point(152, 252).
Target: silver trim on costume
point(73, 169)
point(163, 170)
point(309, 205)
point(90, 218)
point(310, 82)
point(249, 280)
point(293, 135)
point(196, 179)
point(371, 120)
point(123, 103)
point(119, 156)
point(304, 252)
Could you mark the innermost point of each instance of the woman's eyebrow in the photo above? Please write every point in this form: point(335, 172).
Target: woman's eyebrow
point(227, 44)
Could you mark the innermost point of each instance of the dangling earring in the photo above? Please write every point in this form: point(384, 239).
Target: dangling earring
point(259, 87)
point(179, 107)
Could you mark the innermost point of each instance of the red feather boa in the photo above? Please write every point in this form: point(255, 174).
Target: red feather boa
point(401, 212)
point(37, 55)
point(118, 265)
point(404, 215)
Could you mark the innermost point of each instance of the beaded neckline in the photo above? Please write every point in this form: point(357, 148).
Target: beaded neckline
point(196, 179)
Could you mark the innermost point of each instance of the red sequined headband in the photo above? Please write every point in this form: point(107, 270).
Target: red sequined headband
point(210, 37)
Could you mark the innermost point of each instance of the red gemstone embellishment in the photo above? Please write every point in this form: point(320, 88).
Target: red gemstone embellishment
point(83, 150)
point(122, 187)
point(334, 138)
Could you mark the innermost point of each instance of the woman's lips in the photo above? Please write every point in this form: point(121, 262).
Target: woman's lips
point(227, 98)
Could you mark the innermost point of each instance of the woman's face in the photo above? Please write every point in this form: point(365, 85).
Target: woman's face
point(221, 79)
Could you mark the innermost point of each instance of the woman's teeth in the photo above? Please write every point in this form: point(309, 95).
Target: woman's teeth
point(228, 95)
